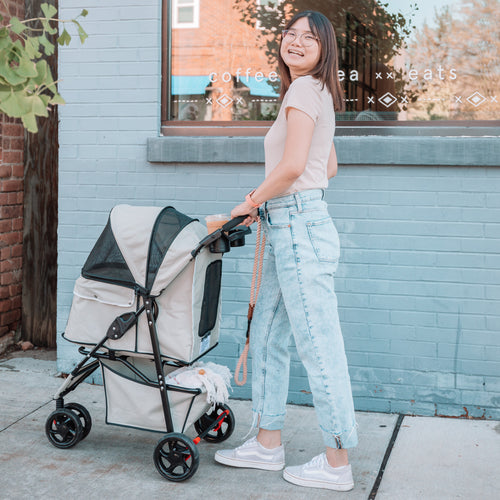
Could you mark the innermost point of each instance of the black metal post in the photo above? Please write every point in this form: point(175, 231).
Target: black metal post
point(149, 304)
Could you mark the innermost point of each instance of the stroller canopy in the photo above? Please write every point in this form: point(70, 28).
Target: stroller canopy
point(143, 248)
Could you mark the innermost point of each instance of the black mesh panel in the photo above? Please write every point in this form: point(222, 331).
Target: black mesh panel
point(168, 225)
point(106, 262)
point(210, 298)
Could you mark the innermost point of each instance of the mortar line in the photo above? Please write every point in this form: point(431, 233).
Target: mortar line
point(388, 451)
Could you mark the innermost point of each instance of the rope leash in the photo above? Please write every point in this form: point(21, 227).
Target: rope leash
point(258, 261)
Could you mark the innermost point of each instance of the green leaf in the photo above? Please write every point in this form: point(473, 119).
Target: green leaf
point(48, 46)
point(4, 94)
point(8, 88)
point(26, 68)
point(81, 32)
point(7, 73)
point(64, 38)
point(29, 122)
point(57, 99)
point(5, 43)
point(48, 10)
point(48, 77)
point(17, 26)
point(18, 49)
point(27, 87)
point(83, 36)
point(31, 45)
point(14, 105)
point(41, 67)
point(48, 28)
point(45, 98)
point(37, 106)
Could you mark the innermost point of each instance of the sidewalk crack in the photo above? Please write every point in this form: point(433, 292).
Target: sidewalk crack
point(388, 452)
point(24, 416)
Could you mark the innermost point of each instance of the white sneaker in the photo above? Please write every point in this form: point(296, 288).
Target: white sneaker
point(318, 473)
point(253, 455)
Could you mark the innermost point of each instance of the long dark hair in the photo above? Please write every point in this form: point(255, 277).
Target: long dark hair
point(327, 68)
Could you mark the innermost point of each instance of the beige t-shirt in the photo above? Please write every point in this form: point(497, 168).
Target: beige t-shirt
point(306, 94)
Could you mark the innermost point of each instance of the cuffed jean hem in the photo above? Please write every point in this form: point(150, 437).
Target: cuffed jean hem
point(344, 439)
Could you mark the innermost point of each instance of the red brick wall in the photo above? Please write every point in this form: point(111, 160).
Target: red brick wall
point(200, 51)
point(16, 8)
point(11, 207)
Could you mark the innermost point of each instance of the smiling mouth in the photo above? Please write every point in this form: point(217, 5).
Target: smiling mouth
point(294, 52)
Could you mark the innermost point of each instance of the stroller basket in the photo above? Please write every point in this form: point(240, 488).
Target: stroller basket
point(148, 304)
point(131, 401)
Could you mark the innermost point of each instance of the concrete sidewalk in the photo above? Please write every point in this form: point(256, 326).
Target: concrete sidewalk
point(432, 458)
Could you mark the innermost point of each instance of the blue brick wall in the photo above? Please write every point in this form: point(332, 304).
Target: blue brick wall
point(111, 85)
point(419, 279)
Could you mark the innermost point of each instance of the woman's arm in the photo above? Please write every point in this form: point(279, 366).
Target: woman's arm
point(332, 167)
point(300, 128)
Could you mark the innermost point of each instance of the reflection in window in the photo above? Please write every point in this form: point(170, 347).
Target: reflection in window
point(268, 6)
point(435, 60)
point(454, 63)
point(186, 13)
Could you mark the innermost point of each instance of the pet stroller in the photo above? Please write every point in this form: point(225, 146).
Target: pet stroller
point(146, 308)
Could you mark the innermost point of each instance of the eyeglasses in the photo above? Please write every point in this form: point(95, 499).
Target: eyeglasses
point(307, 39)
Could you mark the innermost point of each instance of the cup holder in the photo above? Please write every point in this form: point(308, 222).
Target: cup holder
point(232, 238)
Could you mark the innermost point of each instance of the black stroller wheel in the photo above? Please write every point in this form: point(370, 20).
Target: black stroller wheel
point(221, 431)
point(176, 457)
point(84, 416)
point(63, 428)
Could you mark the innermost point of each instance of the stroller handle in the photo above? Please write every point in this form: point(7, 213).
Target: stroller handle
point(212, 237)
point(234, 222)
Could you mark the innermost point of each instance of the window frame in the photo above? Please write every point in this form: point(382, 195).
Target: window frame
point(260, 128)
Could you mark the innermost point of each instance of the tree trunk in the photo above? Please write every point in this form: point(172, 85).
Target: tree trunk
point(39, 304)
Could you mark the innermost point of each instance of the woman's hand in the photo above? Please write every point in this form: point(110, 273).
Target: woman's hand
point(245, 209)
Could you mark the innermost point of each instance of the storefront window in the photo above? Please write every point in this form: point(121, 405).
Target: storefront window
point(428, 61)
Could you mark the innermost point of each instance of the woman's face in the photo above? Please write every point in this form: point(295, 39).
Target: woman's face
point(300, 56)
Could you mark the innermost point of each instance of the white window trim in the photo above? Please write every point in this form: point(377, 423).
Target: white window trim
point(196, 15)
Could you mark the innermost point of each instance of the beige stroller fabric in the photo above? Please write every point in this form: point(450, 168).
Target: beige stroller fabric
point(144, 255)
point(131, 403)
point(179, 287)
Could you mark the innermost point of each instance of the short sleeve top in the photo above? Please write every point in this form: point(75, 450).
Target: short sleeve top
point(309, 95)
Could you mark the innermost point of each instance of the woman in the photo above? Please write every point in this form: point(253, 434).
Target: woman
point(297, 294)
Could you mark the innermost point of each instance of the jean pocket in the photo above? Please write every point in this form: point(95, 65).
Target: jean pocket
point(324, 239)
point(278, 217)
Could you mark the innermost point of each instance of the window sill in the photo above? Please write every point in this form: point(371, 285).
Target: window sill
point(416, 146)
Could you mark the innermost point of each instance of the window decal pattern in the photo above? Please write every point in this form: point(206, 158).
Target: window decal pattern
point(421, 61)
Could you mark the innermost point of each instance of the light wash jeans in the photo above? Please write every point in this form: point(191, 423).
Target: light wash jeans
point(297, 298)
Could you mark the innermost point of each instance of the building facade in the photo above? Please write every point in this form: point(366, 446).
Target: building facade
point(417, 208)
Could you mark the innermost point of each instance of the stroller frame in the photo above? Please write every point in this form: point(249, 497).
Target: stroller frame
point(176, 456)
